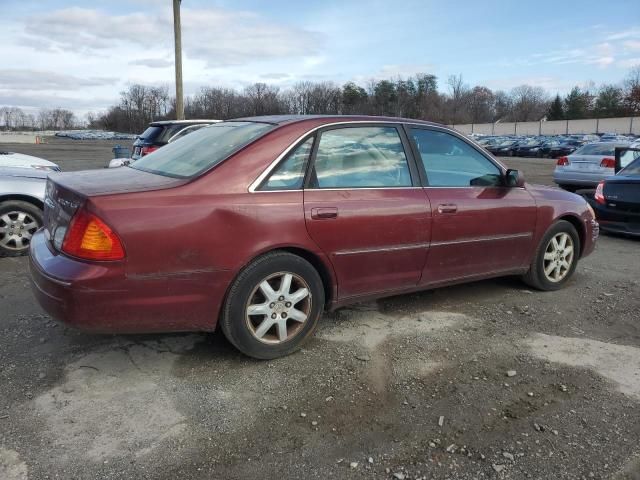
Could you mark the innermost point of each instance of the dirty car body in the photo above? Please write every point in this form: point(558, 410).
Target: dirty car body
point(360, 207)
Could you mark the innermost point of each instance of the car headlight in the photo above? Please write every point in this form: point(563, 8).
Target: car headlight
point(591, 210)
point(48, 168)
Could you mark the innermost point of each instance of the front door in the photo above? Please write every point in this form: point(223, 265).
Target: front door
point(480, 226)
point(365, 209)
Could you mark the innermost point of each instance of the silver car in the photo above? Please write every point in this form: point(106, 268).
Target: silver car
point(13, 159)
point(21, 202)
point(587, 166)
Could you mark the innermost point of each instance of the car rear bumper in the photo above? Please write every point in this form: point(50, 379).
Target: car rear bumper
point(617, 221)
point(101, 297)
point(573, 177)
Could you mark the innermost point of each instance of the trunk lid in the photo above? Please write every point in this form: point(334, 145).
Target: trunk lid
point(623, 193)
point(113, 181)
point(67, 192)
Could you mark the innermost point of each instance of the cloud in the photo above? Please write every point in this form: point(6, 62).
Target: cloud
point(26, 79)
point(31, 101)
point(633, 45)
point(152, 62)
point(275, 76)
point(633, 32)
point(629, 62)
point(216, 36)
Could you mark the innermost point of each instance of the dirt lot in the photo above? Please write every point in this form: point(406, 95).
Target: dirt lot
point(415, 386)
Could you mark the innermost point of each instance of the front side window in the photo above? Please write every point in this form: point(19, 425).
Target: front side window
point(289, 174)
point(197, 152)
point(451, 162)
point(360, 157)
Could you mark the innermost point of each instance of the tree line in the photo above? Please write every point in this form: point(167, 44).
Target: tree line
point(14, 118)
point(418, 96)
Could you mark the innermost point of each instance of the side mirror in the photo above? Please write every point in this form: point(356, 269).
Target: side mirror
point(514, 179)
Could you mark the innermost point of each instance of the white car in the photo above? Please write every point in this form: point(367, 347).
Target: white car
point(20, 160)
point(587, 166)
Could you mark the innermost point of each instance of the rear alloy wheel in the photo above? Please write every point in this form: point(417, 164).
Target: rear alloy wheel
point(556, 257)
point(18, 222)
point(278, 307)
point(273, 306)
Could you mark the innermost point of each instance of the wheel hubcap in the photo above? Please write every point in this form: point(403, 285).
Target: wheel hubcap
point(278, 307)
point(558, 257)
point(16, 230)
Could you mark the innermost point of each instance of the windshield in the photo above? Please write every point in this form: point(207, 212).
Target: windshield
point(201, 150)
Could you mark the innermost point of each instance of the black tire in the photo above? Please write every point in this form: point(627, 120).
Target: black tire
point(235, 322)
point(536, 276)
point(540, 154)
point(10, 247)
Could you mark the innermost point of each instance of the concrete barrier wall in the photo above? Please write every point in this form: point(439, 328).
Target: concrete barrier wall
point(18, 138)
point(622, 125)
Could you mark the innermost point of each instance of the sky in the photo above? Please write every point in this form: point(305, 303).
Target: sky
point(79, 54)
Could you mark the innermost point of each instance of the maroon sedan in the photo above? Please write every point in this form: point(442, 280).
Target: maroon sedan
point(262, 223)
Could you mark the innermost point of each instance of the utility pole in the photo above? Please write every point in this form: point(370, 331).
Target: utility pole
point(177, 36)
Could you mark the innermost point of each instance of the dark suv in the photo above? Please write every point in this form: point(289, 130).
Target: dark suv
point(160, 133)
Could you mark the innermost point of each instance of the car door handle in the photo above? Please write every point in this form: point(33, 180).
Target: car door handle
point(447, 208)
point(322, 213)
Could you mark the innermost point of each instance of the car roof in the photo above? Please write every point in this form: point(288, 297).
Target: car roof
point(288, 119)
point(160, 123)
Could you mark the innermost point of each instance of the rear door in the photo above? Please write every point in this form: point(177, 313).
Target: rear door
point(479, 226)
point(365, 209)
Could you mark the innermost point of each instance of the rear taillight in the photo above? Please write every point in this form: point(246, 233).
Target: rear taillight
point(147, 150)
point(563, 161)
point(599, 195)
point(90, 238)
point(608, 162)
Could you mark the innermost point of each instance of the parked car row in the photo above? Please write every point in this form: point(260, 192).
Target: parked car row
point(543, 145)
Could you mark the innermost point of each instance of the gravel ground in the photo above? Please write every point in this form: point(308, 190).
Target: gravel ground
point(486, 380)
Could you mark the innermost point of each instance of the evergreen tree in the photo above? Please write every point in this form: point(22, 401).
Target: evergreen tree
point(556, 110)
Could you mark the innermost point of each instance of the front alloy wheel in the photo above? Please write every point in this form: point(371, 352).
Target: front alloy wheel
point(558, 257)
point(555, 257)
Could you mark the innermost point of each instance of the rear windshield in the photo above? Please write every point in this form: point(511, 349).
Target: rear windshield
point(161, 133)
point(596, 149)
point(193, 154)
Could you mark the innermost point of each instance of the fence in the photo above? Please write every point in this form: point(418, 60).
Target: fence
point(622, 125)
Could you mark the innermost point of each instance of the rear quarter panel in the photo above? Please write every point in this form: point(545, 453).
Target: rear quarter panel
point(189, 242)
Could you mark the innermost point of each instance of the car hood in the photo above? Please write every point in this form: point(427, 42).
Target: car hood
point(23, 172)
point(111, 181)
point(12, 159)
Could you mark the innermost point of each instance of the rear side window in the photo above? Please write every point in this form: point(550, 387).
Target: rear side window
point(197, 152)
point(451, 162)
point(289, 174)
point(360, 157)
